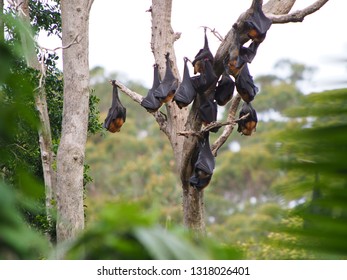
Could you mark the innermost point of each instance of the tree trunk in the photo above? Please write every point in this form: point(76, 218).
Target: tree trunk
point(71, 151)
point(45, 136)
point(163, 38)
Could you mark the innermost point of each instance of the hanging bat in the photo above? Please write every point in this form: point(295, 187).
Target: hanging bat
point(203, 54)
point(150, 102)
point(246, 55)
point(208, 111)
point(204, 80)
point(258, 24)
point(245, 85)
point(185, 93)
point(224, 90)
point(116, 114)
point(167, 88)
point(248, 125)
point(204, 165)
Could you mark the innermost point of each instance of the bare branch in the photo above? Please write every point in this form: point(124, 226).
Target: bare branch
point(160, 117)
point(73, 42)
point(297, 16)
point(209, 127)
point(44, 51)
point(228, 128)
point(133, 95)
point(278, 7)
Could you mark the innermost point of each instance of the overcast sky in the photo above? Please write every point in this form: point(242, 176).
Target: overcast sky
point(120, 34)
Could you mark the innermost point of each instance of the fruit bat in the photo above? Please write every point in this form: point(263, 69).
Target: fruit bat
point(248, 125)
point(230, 62)
point(224, 90)
point(116, 114)
point(203, 54)
point(245, 85)
point(258, 24)
point(204, 80)
point(150, 102)
point(204, 165)
point(208, 111)
point(246, 55)
point(185, 93)
point(168, 85)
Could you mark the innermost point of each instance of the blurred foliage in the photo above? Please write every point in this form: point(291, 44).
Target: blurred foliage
point(17, 239)
point(45, 16)
point(128, 232)
point(314, 155)
point(20, 149)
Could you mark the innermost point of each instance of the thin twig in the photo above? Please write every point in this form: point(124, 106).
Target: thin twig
point(214, 32)
point(73, 42)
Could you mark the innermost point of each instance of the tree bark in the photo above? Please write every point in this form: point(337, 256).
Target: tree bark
point(71, 151)
point(163, 38)
point(45, 136)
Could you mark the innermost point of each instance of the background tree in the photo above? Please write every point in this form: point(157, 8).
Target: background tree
point(39, 63)
point(70, 155)
point(45, 134)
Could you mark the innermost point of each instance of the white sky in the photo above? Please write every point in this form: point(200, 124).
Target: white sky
point(120, 34)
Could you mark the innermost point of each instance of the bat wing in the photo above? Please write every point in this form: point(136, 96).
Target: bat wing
point(200, 182)
point(206, 160)
point(203, 54)
point(245, 85)
point(224, 90)
point(203, 81)
point(168, 86)
point(208, 111)
point(109, 117)
point(116, 114)
point(115, 119)
point(204, 166)
point(185, 93)
point(248, 125)
point(258, 24)
point(246, 55)
point(150, 102)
